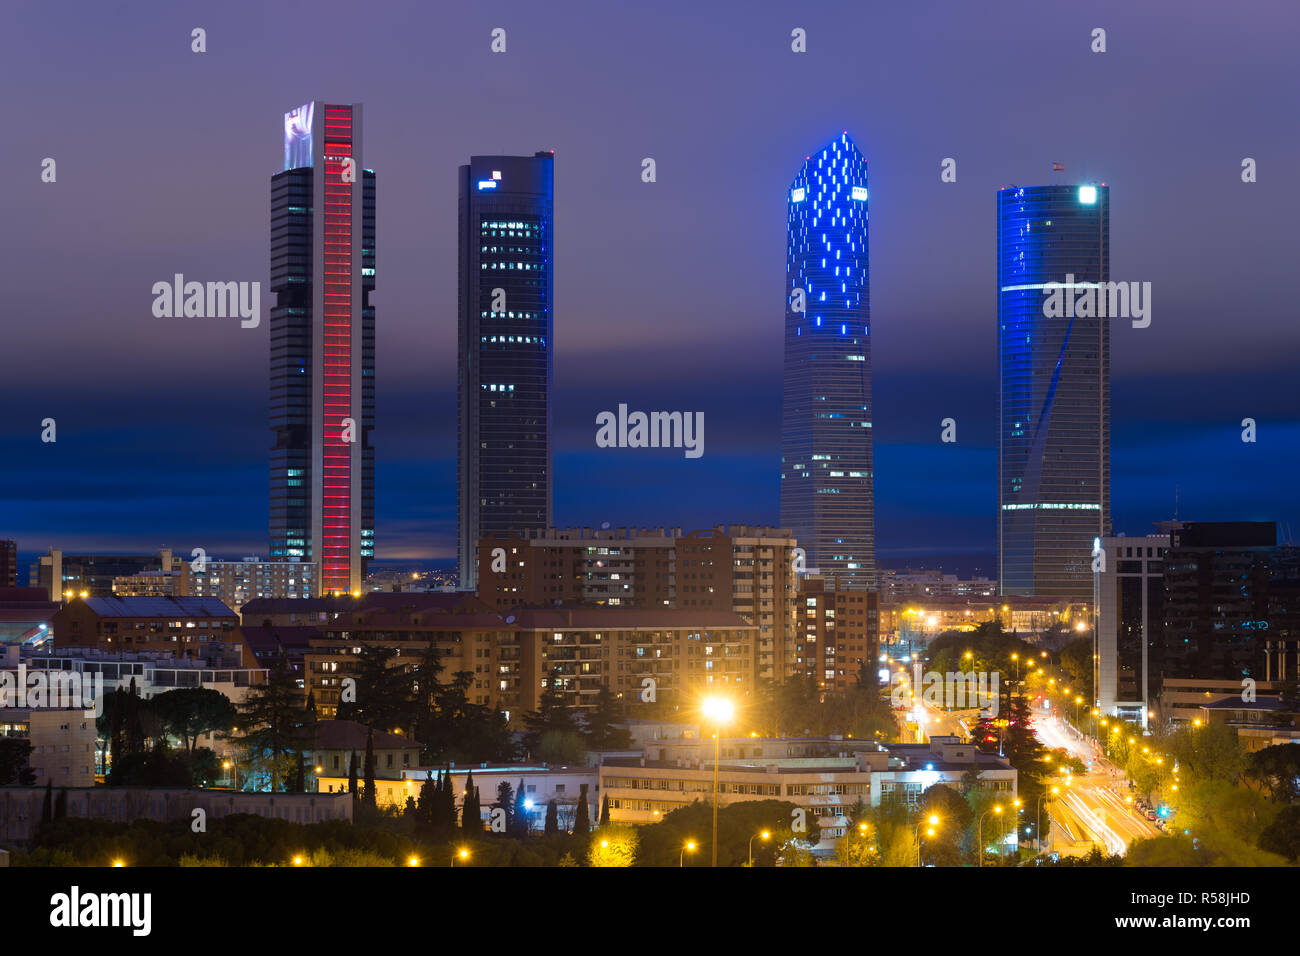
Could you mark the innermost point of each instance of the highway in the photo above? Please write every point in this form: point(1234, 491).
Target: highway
point(1093, 809)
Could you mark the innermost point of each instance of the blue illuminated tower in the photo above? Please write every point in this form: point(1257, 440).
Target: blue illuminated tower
point(507, 243)
point(1054, 377)
point(827, 486)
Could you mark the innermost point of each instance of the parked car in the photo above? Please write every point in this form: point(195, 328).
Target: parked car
point(1151, 815)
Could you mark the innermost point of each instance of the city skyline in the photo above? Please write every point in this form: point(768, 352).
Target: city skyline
point(935, 354)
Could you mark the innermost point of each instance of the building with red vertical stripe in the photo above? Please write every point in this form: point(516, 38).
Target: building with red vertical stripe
point(323, 346)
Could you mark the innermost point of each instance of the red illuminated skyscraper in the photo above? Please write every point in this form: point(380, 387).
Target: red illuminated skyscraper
point(323, 346)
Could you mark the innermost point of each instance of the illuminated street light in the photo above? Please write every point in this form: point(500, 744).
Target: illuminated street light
point(933, 821)
point(688, 848)
point(997, 809)
point(720, 710)
point(766, 835)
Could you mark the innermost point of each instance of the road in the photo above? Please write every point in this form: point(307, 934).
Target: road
point(1094, 806)
point(1093, 809)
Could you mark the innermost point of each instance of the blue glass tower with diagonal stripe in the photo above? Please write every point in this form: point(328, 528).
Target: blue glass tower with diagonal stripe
point(827, 482)
point(1054, 389)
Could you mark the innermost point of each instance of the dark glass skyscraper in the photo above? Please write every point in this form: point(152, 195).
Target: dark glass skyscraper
point(323, 347)
point(827, 483)
point(1054, 376)
point(505, 301)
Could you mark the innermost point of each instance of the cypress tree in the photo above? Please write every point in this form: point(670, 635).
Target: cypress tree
point(604, 810)
point(372, 798)
point(299, 776)
point(521, 821)
point(47, 805)
point(447, 816)
point(471, 816)
point(61, 805)
point(134, 727)
point(352, 782)
point(425, 805)
point(552, 818)
point(582, 816)
point(115, 731)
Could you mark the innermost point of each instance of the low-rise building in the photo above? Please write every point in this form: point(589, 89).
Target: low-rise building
point(1259, 723)
point(338, 740)
point(62, 741)
point(826, 777)
point(186, 627)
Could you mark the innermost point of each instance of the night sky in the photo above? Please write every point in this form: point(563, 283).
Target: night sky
point(667, 295)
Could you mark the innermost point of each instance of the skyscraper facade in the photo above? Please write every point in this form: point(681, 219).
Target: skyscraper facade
point(1054, 380)
point(505, 366)
point(322, 506)
point(827, 482)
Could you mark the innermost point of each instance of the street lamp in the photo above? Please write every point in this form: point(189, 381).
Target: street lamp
point(980, 830)
point(234, 773)
point(463, 853)
point(688, 848)
point(720, 710)
point(765, 835)
point(931, 822)
point(1038, 834)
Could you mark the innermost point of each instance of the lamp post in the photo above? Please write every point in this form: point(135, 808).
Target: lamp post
point(234, 772)
point(980, 830)
point(463, 853)
point(931, 823)
point(765, 835)
point(689, 847)
point(720, 710)
point(1038, 833)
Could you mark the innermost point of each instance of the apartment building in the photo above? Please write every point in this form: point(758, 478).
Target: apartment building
point(746, 570)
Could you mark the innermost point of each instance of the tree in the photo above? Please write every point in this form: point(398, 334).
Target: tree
point(61, 805)
point(47, 805)
point(134, 724)
point(471, 813)
point(352, 782)
point(552, 825)
point(614, 846)
point(1076, 660)
point(1278, 768)
point(1282, 836)
point(190, 712)
point(520, 817)
point(447, 817)
point(602, 732)
point(116, 736)
point(274, 730)
point(372, 797)
point(506, 803)
point(15, 754)
point(582, 815)
point(604, 810)
point(385, 691)
point(552, 716)
point(427, 797)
